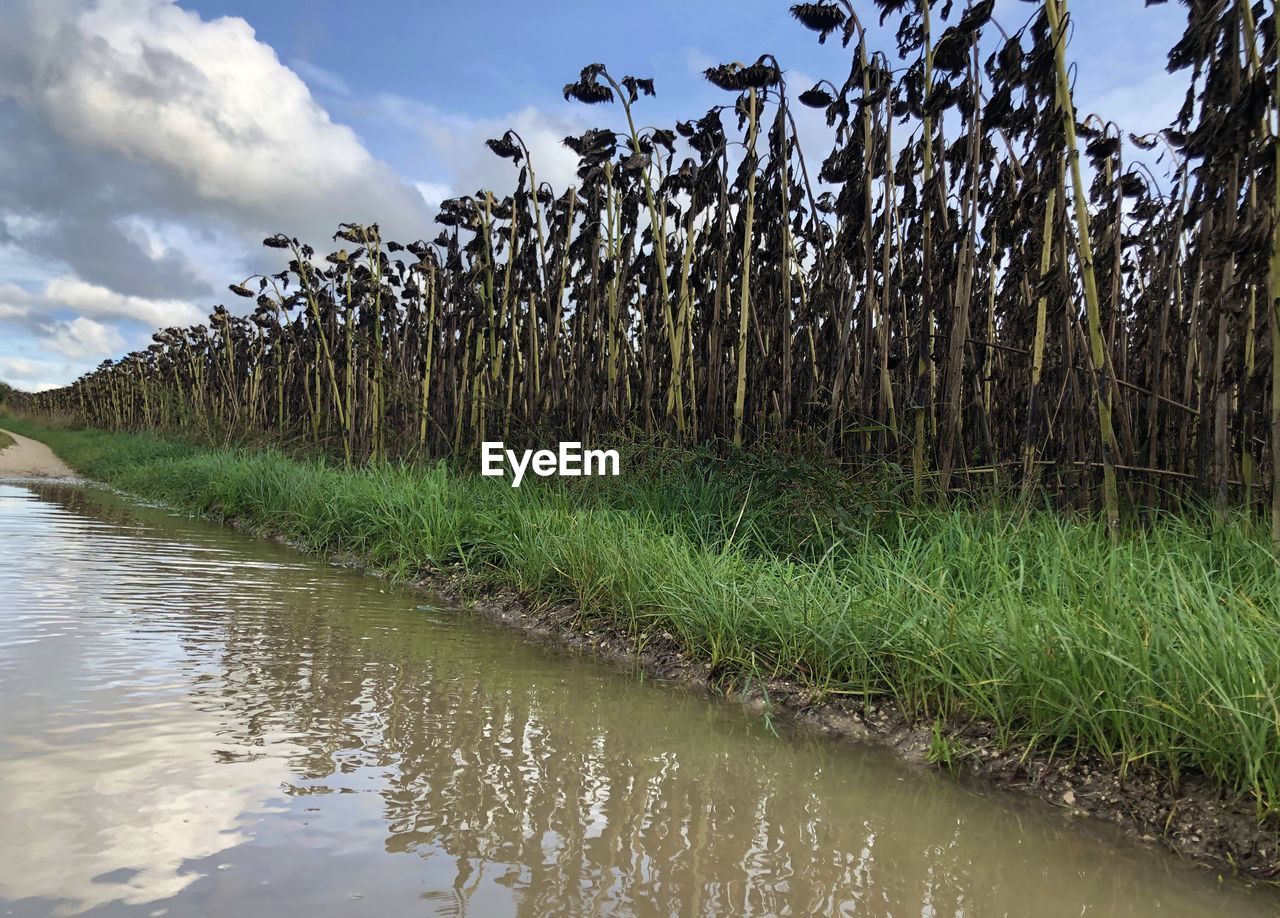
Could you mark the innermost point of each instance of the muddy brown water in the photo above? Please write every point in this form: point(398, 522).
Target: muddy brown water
point(193, 722)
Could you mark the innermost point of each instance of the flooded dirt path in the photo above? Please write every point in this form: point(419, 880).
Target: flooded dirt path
point(197, 723)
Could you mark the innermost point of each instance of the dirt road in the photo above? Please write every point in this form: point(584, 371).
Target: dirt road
point(28, 459)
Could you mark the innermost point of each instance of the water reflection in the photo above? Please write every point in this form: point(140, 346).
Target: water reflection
point(202, 723)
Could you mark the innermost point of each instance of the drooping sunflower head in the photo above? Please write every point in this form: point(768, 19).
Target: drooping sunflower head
point(816, 97)
point(588, 89)
point(506, 147)
point(823, 18)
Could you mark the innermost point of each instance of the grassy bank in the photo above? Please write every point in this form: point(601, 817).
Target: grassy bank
point(1162, 649)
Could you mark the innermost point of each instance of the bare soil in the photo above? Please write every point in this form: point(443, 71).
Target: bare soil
point(26, 458)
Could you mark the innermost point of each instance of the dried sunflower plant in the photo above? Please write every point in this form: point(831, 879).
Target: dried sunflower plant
point(979, 287)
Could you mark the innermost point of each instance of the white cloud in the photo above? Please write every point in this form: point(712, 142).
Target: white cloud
point(16, 302)
point(82, 338)
point(92, 300)
point(1143, 107)
point(209, 104)
point(31, 375)
point(21, 367)
point(457, 144)
point(433, 192)
point(320, 77)
point(148, 151)
point(32, 324)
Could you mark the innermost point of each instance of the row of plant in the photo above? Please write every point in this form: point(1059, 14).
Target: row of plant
point(946, 292)
point(1157, 652)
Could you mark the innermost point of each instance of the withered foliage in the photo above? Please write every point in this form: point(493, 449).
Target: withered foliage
point(922, 297)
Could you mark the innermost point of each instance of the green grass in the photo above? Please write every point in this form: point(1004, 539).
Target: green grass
point(6, 441)
point(1161, 649)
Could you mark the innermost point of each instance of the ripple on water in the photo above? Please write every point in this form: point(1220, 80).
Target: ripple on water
point(194, 722)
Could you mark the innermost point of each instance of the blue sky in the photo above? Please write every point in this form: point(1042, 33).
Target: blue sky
point(151, 143)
